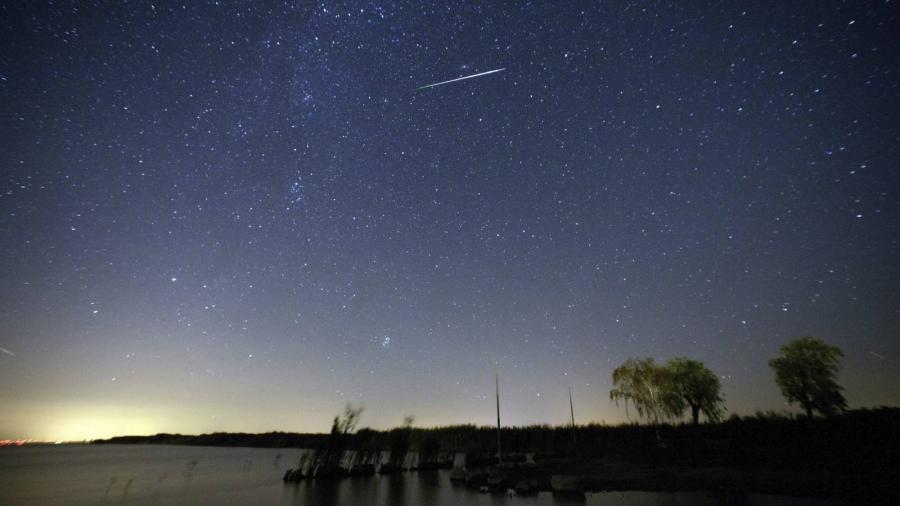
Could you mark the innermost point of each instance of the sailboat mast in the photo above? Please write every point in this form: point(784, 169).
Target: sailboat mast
point(497, 388)
point(572, 411)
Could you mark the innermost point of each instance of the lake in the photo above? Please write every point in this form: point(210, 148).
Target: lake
point(192, 475)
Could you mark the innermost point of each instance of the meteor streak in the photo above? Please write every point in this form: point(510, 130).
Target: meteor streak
point(460, 78)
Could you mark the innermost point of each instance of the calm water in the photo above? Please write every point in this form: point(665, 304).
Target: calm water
point(248, 476)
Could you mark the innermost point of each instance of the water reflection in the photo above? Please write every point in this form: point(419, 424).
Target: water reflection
point(434, 488)
point(203, 475)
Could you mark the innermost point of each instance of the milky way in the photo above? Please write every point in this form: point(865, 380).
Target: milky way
point(240, 216)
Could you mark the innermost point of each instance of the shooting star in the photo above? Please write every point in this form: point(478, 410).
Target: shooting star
point(461, 78)
point(4, 350)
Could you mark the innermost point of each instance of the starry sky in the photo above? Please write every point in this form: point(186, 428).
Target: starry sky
point(222, 216)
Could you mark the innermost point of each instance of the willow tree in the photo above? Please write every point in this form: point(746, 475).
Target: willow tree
point(805, 371)
point(647, 387)
point(698, 387)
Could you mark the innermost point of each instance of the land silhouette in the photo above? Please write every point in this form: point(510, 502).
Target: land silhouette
point(845, 454)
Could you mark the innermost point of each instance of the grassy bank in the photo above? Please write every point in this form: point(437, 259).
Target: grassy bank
point(858, 439)
point(855, 451)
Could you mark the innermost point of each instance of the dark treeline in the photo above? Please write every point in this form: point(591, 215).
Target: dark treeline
point(264, 440)
point(851, 443)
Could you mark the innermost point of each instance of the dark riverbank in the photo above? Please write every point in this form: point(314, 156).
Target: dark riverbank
point(852, 455)
point(610, 474)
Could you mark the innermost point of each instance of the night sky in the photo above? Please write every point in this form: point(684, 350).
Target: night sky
point(240, 217)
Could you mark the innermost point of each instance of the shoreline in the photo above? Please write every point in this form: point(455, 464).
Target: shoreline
point(842, 456)
point(560, 475)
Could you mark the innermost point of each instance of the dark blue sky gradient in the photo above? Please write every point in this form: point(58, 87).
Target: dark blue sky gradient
point(240, 216)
